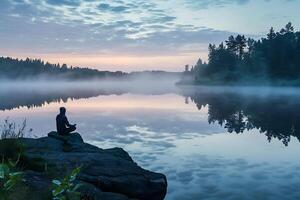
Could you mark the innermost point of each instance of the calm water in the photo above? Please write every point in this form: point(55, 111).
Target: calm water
point(212, 143)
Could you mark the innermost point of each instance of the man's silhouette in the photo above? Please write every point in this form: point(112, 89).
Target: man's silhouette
point(62, 124)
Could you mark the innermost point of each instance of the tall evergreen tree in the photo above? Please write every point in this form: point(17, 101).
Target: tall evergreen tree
point(231, 44)
point(241, 44)
point(271, 35)
point(275, 58)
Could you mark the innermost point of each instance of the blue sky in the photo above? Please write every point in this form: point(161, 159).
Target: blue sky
point(133, 34)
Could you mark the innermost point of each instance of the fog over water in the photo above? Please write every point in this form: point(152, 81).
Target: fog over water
point(211, 142)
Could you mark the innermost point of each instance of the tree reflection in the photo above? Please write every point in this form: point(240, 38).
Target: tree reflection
point(277, 116)
point(38, 98)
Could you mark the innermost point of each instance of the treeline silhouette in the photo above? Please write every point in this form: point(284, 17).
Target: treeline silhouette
point(274, 59)
point(33, 69)
point(11, 68)
point(276, 116)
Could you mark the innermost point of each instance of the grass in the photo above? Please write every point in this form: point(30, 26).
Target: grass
point(10, 130)
point(11, 148)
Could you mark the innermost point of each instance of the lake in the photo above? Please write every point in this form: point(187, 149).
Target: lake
point(210, 142)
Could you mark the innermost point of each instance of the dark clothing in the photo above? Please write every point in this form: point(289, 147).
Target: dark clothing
point(63, 126)
point(68, 130)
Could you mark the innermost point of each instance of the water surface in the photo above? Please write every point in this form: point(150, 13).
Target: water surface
point(211, 142)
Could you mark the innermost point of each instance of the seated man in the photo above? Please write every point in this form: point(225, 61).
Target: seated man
point(62, 124)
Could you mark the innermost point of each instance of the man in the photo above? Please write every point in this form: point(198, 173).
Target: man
point(62, 124)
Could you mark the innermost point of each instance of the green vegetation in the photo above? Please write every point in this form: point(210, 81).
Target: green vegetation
point(9, 178)
point(66, 188)
point(274, 59)
point(10, 147)
point(11, 152)
point(11, 184)
point(14, 165)
point(10, 130)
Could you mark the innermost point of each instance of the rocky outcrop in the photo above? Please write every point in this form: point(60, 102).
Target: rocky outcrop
point(105, 173)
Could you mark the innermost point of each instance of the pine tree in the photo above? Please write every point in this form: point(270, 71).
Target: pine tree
point(271, 35)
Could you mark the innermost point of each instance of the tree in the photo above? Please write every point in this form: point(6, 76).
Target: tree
point(241, 43)
point(275, 57)
point(64, 66)
point(231, 44)
point(32, 68)
point(271, 35)
point(289, 28)
point(199, 62)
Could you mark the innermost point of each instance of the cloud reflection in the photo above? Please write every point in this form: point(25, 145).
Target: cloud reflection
point(201, 160)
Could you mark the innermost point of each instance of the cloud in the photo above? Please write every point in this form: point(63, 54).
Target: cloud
point(87, 26)
point(64, 2)
point(108, 7)
point(118, 28)
point(204, 4)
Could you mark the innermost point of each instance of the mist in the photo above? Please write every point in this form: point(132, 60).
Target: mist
point(136, 84)
point(29, 93)
point(258, 91)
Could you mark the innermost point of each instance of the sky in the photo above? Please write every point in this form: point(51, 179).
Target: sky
point(133, 35)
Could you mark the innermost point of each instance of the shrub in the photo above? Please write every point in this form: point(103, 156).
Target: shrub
point(11, 148)
point(9, 129)
point(8, 178)
point(66, 188)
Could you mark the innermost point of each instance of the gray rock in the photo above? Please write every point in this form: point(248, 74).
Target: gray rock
point(70, 138)
point(89, 191)
point(110, 170)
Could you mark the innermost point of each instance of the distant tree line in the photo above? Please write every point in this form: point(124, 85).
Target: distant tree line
point(18, 69)
point(273, 59)
point(11, 68)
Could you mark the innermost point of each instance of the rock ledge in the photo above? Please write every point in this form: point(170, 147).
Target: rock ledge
point(106, 173)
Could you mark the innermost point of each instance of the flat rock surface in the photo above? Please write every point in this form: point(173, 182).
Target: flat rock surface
point(111, 171)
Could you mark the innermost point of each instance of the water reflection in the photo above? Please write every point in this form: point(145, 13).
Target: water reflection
point(182, 133)
point(36, 97)
point(276, 115)
point(37, 94)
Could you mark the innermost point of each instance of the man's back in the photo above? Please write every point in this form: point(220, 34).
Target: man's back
point(61, 123)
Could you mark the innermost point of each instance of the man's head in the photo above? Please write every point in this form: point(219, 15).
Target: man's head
point(62, 110)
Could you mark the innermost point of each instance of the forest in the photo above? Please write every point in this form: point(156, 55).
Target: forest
point(37, 69)
point(16, 69)
point(274, 59)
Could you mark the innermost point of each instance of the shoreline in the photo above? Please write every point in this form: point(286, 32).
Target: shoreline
point(105, 174)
